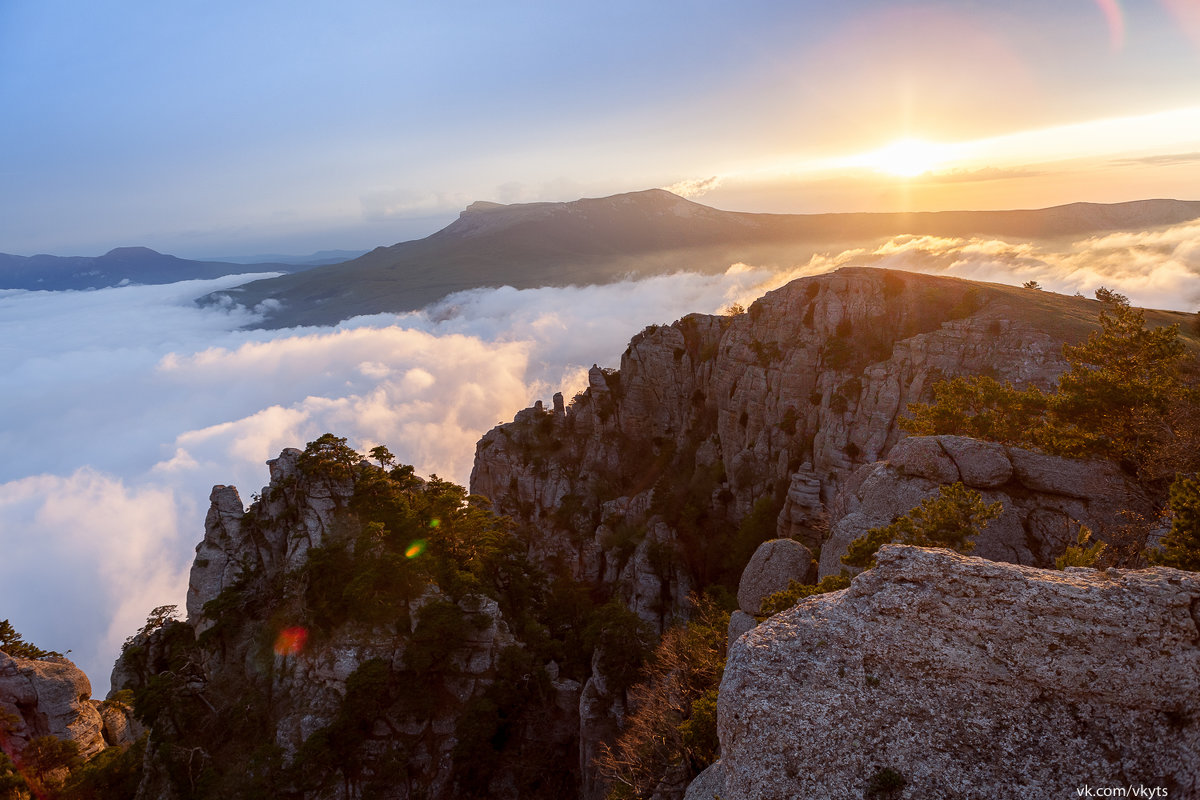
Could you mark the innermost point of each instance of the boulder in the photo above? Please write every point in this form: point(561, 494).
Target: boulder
point(49, 697)
point(739, 623)
point(968, 678)
point(708, 785)
point(772, 567)
point(984, 465)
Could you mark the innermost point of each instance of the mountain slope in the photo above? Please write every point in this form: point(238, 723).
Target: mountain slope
point(114, 268)
point(594, 241)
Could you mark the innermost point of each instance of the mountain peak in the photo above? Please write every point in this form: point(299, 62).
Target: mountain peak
point(127, 253)
point(482, 205)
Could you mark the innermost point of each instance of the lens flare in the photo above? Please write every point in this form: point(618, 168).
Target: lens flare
point(433, 523)
point(415, 549)
point(291, 641)
point(1116, 22)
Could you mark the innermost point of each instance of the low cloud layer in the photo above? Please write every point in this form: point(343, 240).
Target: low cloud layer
point(1155, 269)
point(123, 407)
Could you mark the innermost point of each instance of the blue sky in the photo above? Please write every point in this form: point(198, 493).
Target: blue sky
point(221, 128)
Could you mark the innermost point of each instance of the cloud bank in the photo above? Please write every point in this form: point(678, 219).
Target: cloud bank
point(1155, 269)
point(122, 407)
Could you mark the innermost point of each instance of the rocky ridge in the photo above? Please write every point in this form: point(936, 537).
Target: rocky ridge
point(783, 402)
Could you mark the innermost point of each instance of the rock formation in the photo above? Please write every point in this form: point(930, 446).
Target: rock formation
point(710, 416)
point(1045, 498)
point(53, 697)
point(719, 432)
point(260, 680)
point(959, 677)
point(774, 565)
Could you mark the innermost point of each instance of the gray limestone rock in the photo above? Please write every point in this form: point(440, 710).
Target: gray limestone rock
point(709, 784)
point(1044, 498)
point(924, 457)
point(739, 623)
point(969, 678)
point(49, 697)
point(772, 567)
point(983, 465)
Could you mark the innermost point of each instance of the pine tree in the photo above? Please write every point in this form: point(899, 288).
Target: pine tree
point(1181, 546)
point(952, 519)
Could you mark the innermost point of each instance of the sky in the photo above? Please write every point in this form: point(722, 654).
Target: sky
point(219, 128)
point(225, 129)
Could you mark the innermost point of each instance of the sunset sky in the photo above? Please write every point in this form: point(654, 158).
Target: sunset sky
point(220, 128)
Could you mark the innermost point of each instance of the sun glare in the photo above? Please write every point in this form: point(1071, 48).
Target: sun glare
point(905, 158)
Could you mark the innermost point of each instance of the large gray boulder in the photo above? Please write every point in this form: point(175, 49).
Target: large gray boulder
point(52, 697)
point(772, 567)
point(969, 678)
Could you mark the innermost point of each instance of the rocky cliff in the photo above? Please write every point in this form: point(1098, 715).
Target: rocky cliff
point(716, 423)
point(336, 648)
point(52, 697)
point(941, 676)
point(720, 432)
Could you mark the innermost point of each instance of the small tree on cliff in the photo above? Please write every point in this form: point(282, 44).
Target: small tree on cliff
point(12, 643)
point(1122, 381)
point(1181, 546)
point(952, 519)
point(1124, 397)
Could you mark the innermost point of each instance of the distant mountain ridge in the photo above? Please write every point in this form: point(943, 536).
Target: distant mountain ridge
point(319, 258)
point(600, 240)
point(116, 267)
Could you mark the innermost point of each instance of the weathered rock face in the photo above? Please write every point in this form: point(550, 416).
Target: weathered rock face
point(237, 665)
point(302, 512)
point(782, 402)
point(969, 678)
point(52, 697)
point(643, 484)
point(1045, 498)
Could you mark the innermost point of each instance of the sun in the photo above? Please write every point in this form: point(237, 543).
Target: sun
point(905, 158)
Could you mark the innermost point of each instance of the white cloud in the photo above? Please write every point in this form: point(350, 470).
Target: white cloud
point(85, 557)
point(1156, 269)
point(122, 407)
point(695, 187)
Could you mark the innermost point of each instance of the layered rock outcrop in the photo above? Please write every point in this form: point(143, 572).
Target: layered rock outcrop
point(937, 675)
point(53, 697)
point(1045, 499)
point(718, 432)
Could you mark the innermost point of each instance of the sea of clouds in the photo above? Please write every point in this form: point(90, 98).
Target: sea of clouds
point(121, 408)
